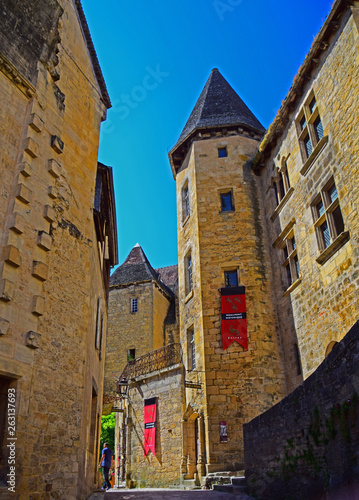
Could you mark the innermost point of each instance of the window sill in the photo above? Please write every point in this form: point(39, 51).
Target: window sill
point(292, 287)
point(188, 297)
point(283, 201)
point(321, 144)
point(333, 247)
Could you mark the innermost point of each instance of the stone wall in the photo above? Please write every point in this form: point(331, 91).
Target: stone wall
point(308, 443)
point(143, 331)
point(163, 469)
point(236, 384)
point(51, 285)
point(324, 298)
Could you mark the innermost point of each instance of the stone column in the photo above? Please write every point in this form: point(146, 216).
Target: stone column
point(201, 452)
point(184, 469)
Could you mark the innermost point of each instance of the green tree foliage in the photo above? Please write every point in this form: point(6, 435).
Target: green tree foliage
point(108, 430)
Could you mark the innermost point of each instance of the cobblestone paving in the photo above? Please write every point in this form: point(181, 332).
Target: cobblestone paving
point(165, 494)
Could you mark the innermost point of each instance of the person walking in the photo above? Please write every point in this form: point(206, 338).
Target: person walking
point(105, 463)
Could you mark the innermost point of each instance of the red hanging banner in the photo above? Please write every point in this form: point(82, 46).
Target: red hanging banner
point(234, 317)
point(150, 425)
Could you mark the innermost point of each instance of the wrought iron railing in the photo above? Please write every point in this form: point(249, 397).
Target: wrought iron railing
point(156, 360)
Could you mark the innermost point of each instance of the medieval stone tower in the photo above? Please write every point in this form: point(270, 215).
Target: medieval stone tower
point(227, 322)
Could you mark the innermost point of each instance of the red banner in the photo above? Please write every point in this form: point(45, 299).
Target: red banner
point(234, 317)
point(150, 425)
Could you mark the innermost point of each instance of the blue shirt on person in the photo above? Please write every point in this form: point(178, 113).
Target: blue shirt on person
point(106, 462)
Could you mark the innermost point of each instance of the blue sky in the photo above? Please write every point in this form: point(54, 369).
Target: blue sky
point(156, 56)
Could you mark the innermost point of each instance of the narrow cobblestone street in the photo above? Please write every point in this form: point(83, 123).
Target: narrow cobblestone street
point(165, 494)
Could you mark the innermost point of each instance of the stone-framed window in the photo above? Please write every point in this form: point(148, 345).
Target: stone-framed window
point(98, 324)
point(134, 305)
point(280, 181)
point(131, 354)
point(290, 259)
point(188, 267)
point(226, 200)
point(327, 216)
point(231, 278)
point(185, 202)
point(101, 335)
point(191, 349)
point(222, 152)
point(310, 132)
point(297, 359)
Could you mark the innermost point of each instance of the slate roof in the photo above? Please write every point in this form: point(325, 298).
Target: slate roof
point(137, 269)
point(218, 105)
point(169, 276)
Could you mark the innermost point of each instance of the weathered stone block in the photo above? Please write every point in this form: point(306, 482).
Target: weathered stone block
point(23, 193)
point(16, 222)
point(44, 241)
point(33, 339)
point(11, 255)
point(54, 168)
point(38, 305)
point(25, 169)
point(36, 123)
point(53, 192)
point(31, 147)
point(57, 144)
point(6, 290)
point(40, 270)
point(4, 326)
point(49, 213)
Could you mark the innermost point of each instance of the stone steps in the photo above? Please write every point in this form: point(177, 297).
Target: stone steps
point(234, 485)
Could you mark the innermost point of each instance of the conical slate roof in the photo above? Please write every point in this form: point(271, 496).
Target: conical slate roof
point(137, 269)
point(218, 105)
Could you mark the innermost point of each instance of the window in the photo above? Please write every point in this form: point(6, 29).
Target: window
point(310, 129)
point(222, 152)
point(297, 359)
point(188, 273)
point(101, 336)
point(227, 201)
point(230, 278)
point(328, 220)
point(131, 354)
point(134, 305)
point(191, 349)
point(185, 202)
point(280, 181)
point(290, 259)
point(98, 324)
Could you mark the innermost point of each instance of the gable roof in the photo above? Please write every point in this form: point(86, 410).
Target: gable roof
point(93, 55)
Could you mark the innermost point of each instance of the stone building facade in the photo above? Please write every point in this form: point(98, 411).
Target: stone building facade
point(143, 320)
point(57, 244)
point(308, 169)
point(267, 220)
